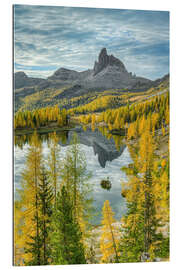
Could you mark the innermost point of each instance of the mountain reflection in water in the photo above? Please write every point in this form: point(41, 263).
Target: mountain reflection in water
point(105, 156)
point(105, 148)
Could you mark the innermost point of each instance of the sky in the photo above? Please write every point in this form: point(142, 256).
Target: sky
point(47, 38)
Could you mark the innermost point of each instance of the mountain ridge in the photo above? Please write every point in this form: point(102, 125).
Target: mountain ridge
point(108, 72)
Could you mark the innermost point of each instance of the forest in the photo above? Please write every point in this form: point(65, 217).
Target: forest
point(54, 206)
point(91, 129)
point(40, 117)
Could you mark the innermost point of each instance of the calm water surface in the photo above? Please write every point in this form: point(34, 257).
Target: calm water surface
point(112, 170)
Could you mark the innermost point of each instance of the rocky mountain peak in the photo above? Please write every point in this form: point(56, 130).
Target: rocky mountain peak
point(108, 73)
point(22, 80)
point(62, 70)
point(105, 60)
point(64, 74)
point(21, 75)
point(103, 56)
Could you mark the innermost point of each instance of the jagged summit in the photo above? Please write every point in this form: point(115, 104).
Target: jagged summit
point(108, 73)
point(105, 60)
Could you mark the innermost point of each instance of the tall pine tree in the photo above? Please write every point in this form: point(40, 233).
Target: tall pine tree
point(67, 237)
point(39, 246)
point(45, 204)
point(75, 178)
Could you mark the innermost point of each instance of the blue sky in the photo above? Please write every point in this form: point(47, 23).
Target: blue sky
point(47, 38)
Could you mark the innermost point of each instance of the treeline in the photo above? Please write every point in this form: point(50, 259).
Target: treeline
point(157, 118)
point(21, 140)
point(98, 104)
point(52, 216)
point(133, 117)
point(40, 117)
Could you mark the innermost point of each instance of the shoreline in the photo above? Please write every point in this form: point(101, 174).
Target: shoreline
point(48, 129)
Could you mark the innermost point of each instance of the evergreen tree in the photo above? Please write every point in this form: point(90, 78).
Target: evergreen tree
point(140, 238)
point(45, 205)
point(131, 243)
point(34, 246)
point(75, 178)
point(67, 236)
point(39, 246)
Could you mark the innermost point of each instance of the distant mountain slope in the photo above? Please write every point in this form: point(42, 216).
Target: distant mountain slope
point(22, 80)
point(108, 73)
point(70, 97)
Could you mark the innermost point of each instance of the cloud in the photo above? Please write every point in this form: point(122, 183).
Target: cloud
point(55, 37)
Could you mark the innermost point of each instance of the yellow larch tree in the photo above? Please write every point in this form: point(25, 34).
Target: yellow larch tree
point(109, 239)
point(93, 122)
point(132, 130)
point(27, 207)
point(142, 125)
point(54, 164)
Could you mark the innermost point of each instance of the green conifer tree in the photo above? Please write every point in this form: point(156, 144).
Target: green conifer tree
point(39, 246)
point(140, 238)
point(75, 178)
point(45, 204)
point(67, 236)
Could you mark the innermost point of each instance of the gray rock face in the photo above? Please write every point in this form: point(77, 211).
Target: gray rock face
point(22, 80)
point(104, 60)
point(160, 80)
point(63, 77)
point(64, 74)
point(108, 73)
point(21, 75)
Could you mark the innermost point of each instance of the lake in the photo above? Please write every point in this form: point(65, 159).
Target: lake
point(105, 156)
